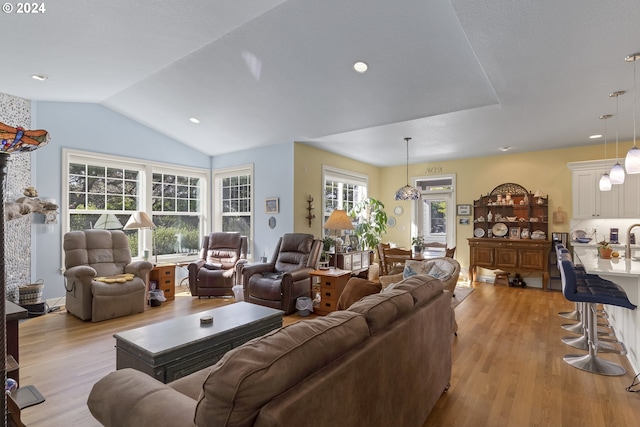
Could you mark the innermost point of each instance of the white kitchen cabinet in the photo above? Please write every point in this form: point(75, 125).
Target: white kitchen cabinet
point(622, 201)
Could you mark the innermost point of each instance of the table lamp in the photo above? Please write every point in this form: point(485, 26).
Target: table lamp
point(140, 220)
point(108, 222)
point(339, 220)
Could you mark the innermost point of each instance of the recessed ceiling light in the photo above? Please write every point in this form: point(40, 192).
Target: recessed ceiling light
point(505, 148)
point(360, 66)
point(39, 77)
point(595, 136)
point(194, 120)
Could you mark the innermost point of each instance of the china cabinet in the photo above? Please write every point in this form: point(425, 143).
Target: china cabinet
point(510, 211)
point(511, 230)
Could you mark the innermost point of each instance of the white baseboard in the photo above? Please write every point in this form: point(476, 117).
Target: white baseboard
point(56, 302)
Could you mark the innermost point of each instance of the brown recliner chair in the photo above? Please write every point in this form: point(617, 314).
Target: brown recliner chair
point(213, 274)
point(92, 254)
point(279, 283)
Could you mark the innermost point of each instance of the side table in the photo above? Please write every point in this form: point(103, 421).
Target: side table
point(165, 277)
point(332, 284)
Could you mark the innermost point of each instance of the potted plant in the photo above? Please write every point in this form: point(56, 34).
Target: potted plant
point(327, 243)
point(417, 243)
point(371, 222)
point(604, 250)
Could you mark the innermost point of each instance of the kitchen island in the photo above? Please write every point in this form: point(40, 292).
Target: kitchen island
point(626, 273)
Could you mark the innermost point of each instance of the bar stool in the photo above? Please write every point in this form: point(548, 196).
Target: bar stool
point(592, 295)
point(604, 329)
point(575, 313)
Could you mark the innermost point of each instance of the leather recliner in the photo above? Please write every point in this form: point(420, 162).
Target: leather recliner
point(285, 278)
point(92, 254)
point(214, 273)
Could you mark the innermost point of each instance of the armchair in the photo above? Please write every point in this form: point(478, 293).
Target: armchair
point(215, 272)
point(92, 254)
point(279, 283)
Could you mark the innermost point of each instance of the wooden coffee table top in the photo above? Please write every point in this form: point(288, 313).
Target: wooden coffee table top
point(182, 331)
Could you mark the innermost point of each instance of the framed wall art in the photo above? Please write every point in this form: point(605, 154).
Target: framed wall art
point(464, 210)
point(514, 232)
point(271, 205)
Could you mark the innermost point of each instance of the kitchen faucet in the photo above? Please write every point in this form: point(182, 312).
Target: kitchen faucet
point(627, 251)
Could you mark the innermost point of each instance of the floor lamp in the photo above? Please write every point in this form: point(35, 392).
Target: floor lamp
point(20, 141)
point(338, 221)
point(140, 221)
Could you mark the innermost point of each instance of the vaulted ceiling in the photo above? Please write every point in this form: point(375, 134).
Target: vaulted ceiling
point(462, 77)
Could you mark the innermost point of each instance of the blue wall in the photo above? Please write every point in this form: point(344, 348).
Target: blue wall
point(273, 177)
point(89, 127)
point(94, 128)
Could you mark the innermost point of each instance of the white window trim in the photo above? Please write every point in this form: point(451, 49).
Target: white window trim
point(146, 166)
point(451, 215)
point(345, 176)
point(216, 189)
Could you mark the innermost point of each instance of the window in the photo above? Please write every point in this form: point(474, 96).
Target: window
point(176, 206)
point(234, 201)
point(342, 190)
point(99, 185)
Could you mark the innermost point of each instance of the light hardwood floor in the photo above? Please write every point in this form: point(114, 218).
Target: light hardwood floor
point(507, 366)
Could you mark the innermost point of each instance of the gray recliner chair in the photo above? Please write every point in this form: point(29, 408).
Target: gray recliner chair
point(285, 278)
point(102, 254)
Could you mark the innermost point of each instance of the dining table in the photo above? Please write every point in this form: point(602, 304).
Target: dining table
point(418, 256)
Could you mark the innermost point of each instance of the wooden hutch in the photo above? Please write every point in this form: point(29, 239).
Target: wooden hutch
point(511, 232)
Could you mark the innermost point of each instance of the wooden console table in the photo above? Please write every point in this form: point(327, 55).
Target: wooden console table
point(356, 262)
point(512, 255)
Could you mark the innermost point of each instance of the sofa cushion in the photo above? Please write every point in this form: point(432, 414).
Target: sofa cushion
point(355, 289)
point(421, 287)
point(383, 309)
point(250, 375)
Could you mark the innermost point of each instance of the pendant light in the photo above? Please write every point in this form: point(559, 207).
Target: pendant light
point(407, 192)
point(632, 161)
point(605, 181)
point(617, 171)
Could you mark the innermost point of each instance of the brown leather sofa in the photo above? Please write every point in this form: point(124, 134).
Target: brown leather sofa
point(214, 273)
point(385, 361)
point(92, 254)
point(279, 283)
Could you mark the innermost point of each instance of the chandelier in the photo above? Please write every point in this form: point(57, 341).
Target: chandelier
point(407, 192)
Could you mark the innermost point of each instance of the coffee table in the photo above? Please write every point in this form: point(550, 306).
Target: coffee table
point(174, 348)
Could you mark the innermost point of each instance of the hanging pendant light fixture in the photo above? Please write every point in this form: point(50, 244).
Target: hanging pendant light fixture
point(407, 192)
point(617, 171)
point(605, 181)
point(632, 161)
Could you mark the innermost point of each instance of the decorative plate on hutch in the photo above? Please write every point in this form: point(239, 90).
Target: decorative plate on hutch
point(478, 232)
point(500, 229)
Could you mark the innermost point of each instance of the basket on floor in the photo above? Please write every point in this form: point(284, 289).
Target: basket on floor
point(31, 293)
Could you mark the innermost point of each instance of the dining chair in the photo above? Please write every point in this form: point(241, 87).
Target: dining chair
point(394, 259)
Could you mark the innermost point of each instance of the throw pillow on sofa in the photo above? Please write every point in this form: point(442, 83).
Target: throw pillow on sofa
point(440, 269)
point(356, 289)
